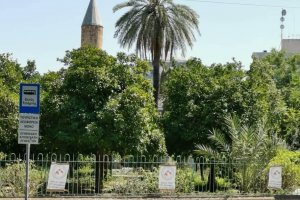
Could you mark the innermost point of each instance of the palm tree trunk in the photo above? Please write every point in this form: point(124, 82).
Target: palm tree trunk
point(156, 81)
point(156, 74)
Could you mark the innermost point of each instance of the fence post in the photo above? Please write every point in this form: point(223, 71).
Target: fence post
point(98, 174)
point(212, 176)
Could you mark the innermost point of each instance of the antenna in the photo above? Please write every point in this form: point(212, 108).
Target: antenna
point(283, 13)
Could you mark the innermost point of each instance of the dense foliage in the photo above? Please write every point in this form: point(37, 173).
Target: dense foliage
point(11, 74)
point(253, 146)
point(103, 102)
point(289, 161)
point(197, 98)
point(100, 104)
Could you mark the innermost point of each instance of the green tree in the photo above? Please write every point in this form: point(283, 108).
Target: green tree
point(158, 27)
point(29, 72)
point(100, 104)
point(281, 93)
point(119, 132)
point(10, 77)
point(8, 120)
point(263, 100)
point(10, 72)
point(197, 98)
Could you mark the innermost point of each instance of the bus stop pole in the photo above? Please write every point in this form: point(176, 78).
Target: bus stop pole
point(27, 171)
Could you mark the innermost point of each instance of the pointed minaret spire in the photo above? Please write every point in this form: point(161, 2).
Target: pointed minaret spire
point(91, 15)
point(91, 28)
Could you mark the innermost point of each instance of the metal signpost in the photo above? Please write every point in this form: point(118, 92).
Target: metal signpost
point(29, 119)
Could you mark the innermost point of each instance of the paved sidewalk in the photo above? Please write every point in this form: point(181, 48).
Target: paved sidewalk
point(145, 198)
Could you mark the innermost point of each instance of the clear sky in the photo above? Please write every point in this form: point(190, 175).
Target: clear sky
point(42, 30)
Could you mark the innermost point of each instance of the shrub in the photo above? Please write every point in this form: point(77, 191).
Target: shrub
point(138, 181)
point(199, 184)
point(222, 183)
point(12, 179)
point(185, 180)
point(289, 161)
point(2, 155)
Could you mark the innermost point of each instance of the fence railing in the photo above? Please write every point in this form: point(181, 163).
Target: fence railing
point(131, 175)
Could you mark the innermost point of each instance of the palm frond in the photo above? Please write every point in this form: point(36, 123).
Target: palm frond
point(219, 140)
point(205, 151)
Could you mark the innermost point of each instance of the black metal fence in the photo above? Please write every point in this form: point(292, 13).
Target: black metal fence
point(132, 175)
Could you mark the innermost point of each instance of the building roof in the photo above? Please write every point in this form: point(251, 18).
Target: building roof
point(260, 54)
point(91, 16)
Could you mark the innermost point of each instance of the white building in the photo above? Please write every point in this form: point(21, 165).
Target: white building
point(289, 46)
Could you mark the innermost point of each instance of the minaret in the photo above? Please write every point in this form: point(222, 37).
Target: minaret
point(91, 28)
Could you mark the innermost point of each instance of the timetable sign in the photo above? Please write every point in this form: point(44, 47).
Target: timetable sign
point(28, 128)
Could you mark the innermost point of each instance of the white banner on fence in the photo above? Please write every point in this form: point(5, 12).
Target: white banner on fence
point(275, 177)
point(167, 176)
point(57, 177)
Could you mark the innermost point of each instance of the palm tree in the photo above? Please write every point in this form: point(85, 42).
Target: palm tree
point(158, 28)
point(251, 146)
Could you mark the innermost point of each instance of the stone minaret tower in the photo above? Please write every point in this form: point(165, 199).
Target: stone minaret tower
point(91, 28)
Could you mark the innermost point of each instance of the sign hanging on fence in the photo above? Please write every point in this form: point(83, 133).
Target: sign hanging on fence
point(275, 177)
point(57, 177)
point(167, 176)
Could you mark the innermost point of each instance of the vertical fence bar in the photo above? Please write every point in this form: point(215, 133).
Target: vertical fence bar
point(80, 161)
point(39, 165)
point(67, 158)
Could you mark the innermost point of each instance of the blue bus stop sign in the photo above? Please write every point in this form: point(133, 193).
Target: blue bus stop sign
point(29, 98)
